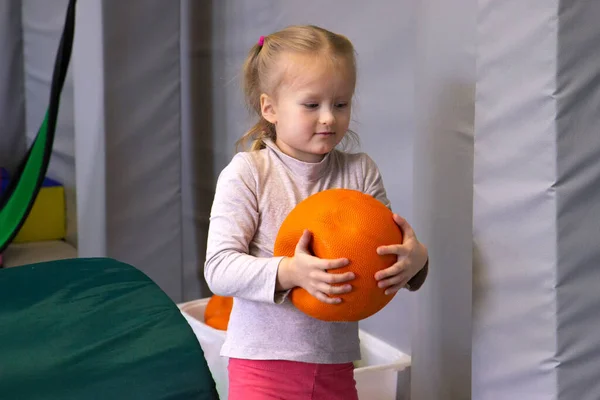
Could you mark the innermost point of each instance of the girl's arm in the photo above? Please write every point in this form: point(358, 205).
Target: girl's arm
point(229, 269)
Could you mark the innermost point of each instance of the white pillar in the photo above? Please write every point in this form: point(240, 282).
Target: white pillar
point(87, 63)
point(443, 188)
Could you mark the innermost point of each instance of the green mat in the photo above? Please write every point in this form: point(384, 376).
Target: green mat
point(95, 329)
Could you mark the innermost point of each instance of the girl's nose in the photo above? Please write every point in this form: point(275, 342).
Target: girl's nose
point(326, 117)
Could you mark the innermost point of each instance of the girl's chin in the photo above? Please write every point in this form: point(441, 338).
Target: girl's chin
point(321, 150)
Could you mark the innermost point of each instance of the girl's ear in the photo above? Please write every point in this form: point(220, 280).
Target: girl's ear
point(267, 108)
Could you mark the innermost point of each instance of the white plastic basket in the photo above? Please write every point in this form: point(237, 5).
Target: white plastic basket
point(376, 374)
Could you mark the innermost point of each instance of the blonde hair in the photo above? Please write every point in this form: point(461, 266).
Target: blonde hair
point(260, 66)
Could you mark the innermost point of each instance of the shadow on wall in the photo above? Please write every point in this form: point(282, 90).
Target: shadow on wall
point(480, 281)
point(12, 92)
point(200, 151)
point(444, 183)
point(453, 197)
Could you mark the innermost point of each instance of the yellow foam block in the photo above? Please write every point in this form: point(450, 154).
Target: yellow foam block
point(47, 219)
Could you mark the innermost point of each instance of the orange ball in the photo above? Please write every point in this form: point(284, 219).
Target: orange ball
point(217, 311)
point(219, 323)
point(344, 224)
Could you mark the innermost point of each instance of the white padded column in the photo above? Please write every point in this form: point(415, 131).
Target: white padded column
point(89, 122)
point(537, 201)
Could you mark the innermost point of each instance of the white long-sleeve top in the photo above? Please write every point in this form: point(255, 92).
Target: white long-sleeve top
point(254, 194)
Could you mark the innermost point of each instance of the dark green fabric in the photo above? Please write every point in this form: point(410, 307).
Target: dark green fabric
point(95, 329)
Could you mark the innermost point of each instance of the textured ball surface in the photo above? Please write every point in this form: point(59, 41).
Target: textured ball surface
point(217, 311)
point(344, 224)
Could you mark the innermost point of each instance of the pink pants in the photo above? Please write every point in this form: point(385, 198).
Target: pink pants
point(290, 380)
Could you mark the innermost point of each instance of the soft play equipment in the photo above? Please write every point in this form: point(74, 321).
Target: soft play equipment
point(217, 312)
point(95, 329)
point(47, 218)
point(20, 194)
point(344, 224)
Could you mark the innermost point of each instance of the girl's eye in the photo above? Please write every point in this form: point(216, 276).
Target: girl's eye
point(341, 105)
point(311, 105)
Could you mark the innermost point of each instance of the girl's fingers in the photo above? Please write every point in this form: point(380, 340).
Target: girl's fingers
point(326, 299)
point(407, 230)
point(302, 246)
point(395, 269)
point(334, 264)
point(330, 278)
point(394, 280)
point(396, 249)
point(333, 289)
point(393, 289)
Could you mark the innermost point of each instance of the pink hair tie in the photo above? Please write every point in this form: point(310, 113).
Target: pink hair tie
point(261, 41)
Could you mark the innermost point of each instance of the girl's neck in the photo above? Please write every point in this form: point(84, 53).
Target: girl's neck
point(305, 170)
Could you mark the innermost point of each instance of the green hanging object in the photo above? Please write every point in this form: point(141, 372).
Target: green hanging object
point(16, 202)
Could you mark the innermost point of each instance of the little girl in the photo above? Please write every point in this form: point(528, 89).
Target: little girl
point(300, 82)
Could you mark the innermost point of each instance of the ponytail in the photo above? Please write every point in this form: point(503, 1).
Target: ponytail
point(263, 129)
point(257, 135)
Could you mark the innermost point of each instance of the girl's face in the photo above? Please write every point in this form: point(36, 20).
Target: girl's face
point(311, 107)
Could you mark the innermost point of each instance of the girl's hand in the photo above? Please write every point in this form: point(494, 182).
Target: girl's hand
point(310, 272)
point(412, 257)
